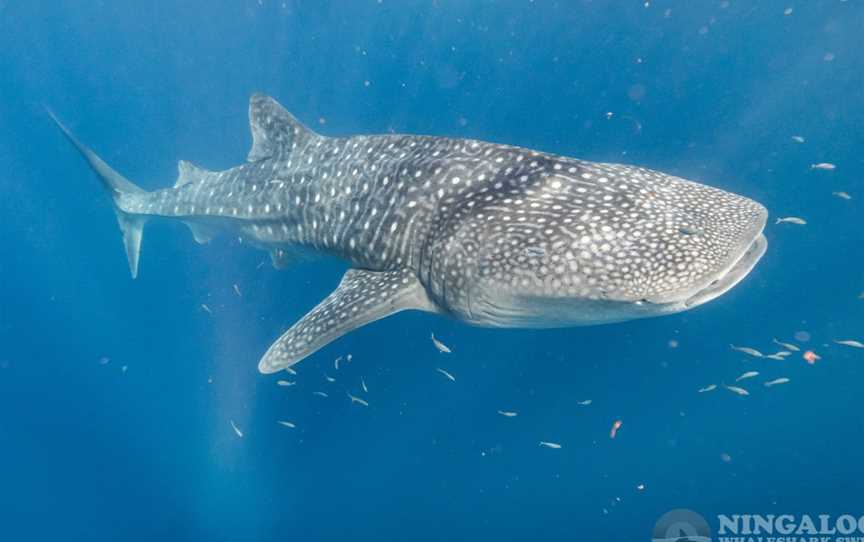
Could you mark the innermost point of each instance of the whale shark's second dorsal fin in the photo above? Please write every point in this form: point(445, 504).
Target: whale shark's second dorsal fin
point(275, 131)
point(187, 172)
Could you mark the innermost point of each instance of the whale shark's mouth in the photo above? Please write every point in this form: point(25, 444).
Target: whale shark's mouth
point(739, 269)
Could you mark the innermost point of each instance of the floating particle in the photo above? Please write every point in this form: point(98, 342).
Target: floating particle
point(672, 343)
point(791, 220)
point(640, 487)
point(237, 290)
point(788, 11)
point(726, 458)
point(615, 427)
point(443, 348)
point(104, 360)
point(829, 57)
point(445, 373)
point(802, 336)
point(237, 430)
point(811, 357)
point(206, 308)
point(586, 402)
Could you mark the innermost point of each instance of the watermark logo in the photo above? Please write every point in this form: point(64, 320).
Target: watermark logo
point(681, 525)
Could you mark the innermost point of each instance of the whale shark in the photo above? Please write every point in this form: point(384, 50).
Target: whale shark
point(489, 234)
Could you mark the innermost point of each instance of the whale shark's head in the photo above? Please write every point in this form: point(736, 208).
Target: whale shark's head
point(602, 243)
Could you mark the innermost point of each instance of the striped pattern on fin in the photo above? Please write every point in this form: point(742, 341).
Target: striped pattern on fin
point(362, 297)
point(275, 131)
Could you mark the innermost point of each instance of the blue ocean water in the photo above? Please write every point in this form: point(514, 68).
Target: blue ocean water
point(117, 396)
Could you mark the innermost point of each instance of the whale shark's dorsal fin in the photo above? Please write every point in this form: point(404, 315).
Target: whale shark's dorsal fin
point(187, 172)
point(362, 297)
point(275, 131)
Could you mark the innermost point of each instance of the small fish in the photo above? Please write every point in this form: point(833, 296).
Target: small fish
point(348, 358)
point(748, 374)
point(290, 371)
point(737, 390)
point(363, 385)
point(329, 378)
point(104, 360)
point(640, 487)
point(615, 427)
point(811, 357)
point(443, 348)
point(788, 346)
point(206, 308)
point(237, 430)
point(124, 368)
point(357, 400)
point(508, 413)
point(781, 380)
point(284, 383)
point(747, 350)
point(320, 394)
point(797, 138)
point(553, 445)
point(852, 343)
point(709, 387)
point(825, 166)
point(776, 356)
point(842, 195)
point(791, 220)
point(586, 402)
point(286, 424)
point(336, 362)
point(237, 290)
point(445, 373)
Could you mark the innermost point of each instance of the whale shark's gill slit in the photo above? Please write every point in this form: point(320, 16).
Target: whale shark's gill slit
point(362, 297)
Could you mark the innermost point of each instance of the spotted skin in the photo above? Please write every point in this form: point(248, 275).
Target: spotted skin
point(490, 234)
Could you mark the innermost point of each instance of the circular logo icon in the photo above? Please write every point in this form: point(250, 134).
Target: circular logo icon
point(681, 525)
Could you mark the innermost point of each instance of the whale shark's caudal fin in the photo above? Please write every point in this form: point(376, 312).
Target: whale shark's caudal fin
point(132, 225)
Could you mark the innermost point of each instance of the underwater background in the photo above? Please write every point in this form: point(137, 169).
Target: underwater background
point(117, 397)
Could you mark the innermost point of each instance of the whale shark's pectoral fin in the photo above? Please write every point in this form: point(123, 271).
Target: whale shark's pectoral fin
point(362, 297)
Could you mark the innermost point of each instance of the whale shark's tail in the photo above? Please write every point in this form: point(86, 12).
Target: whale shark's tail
point(132, 225)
